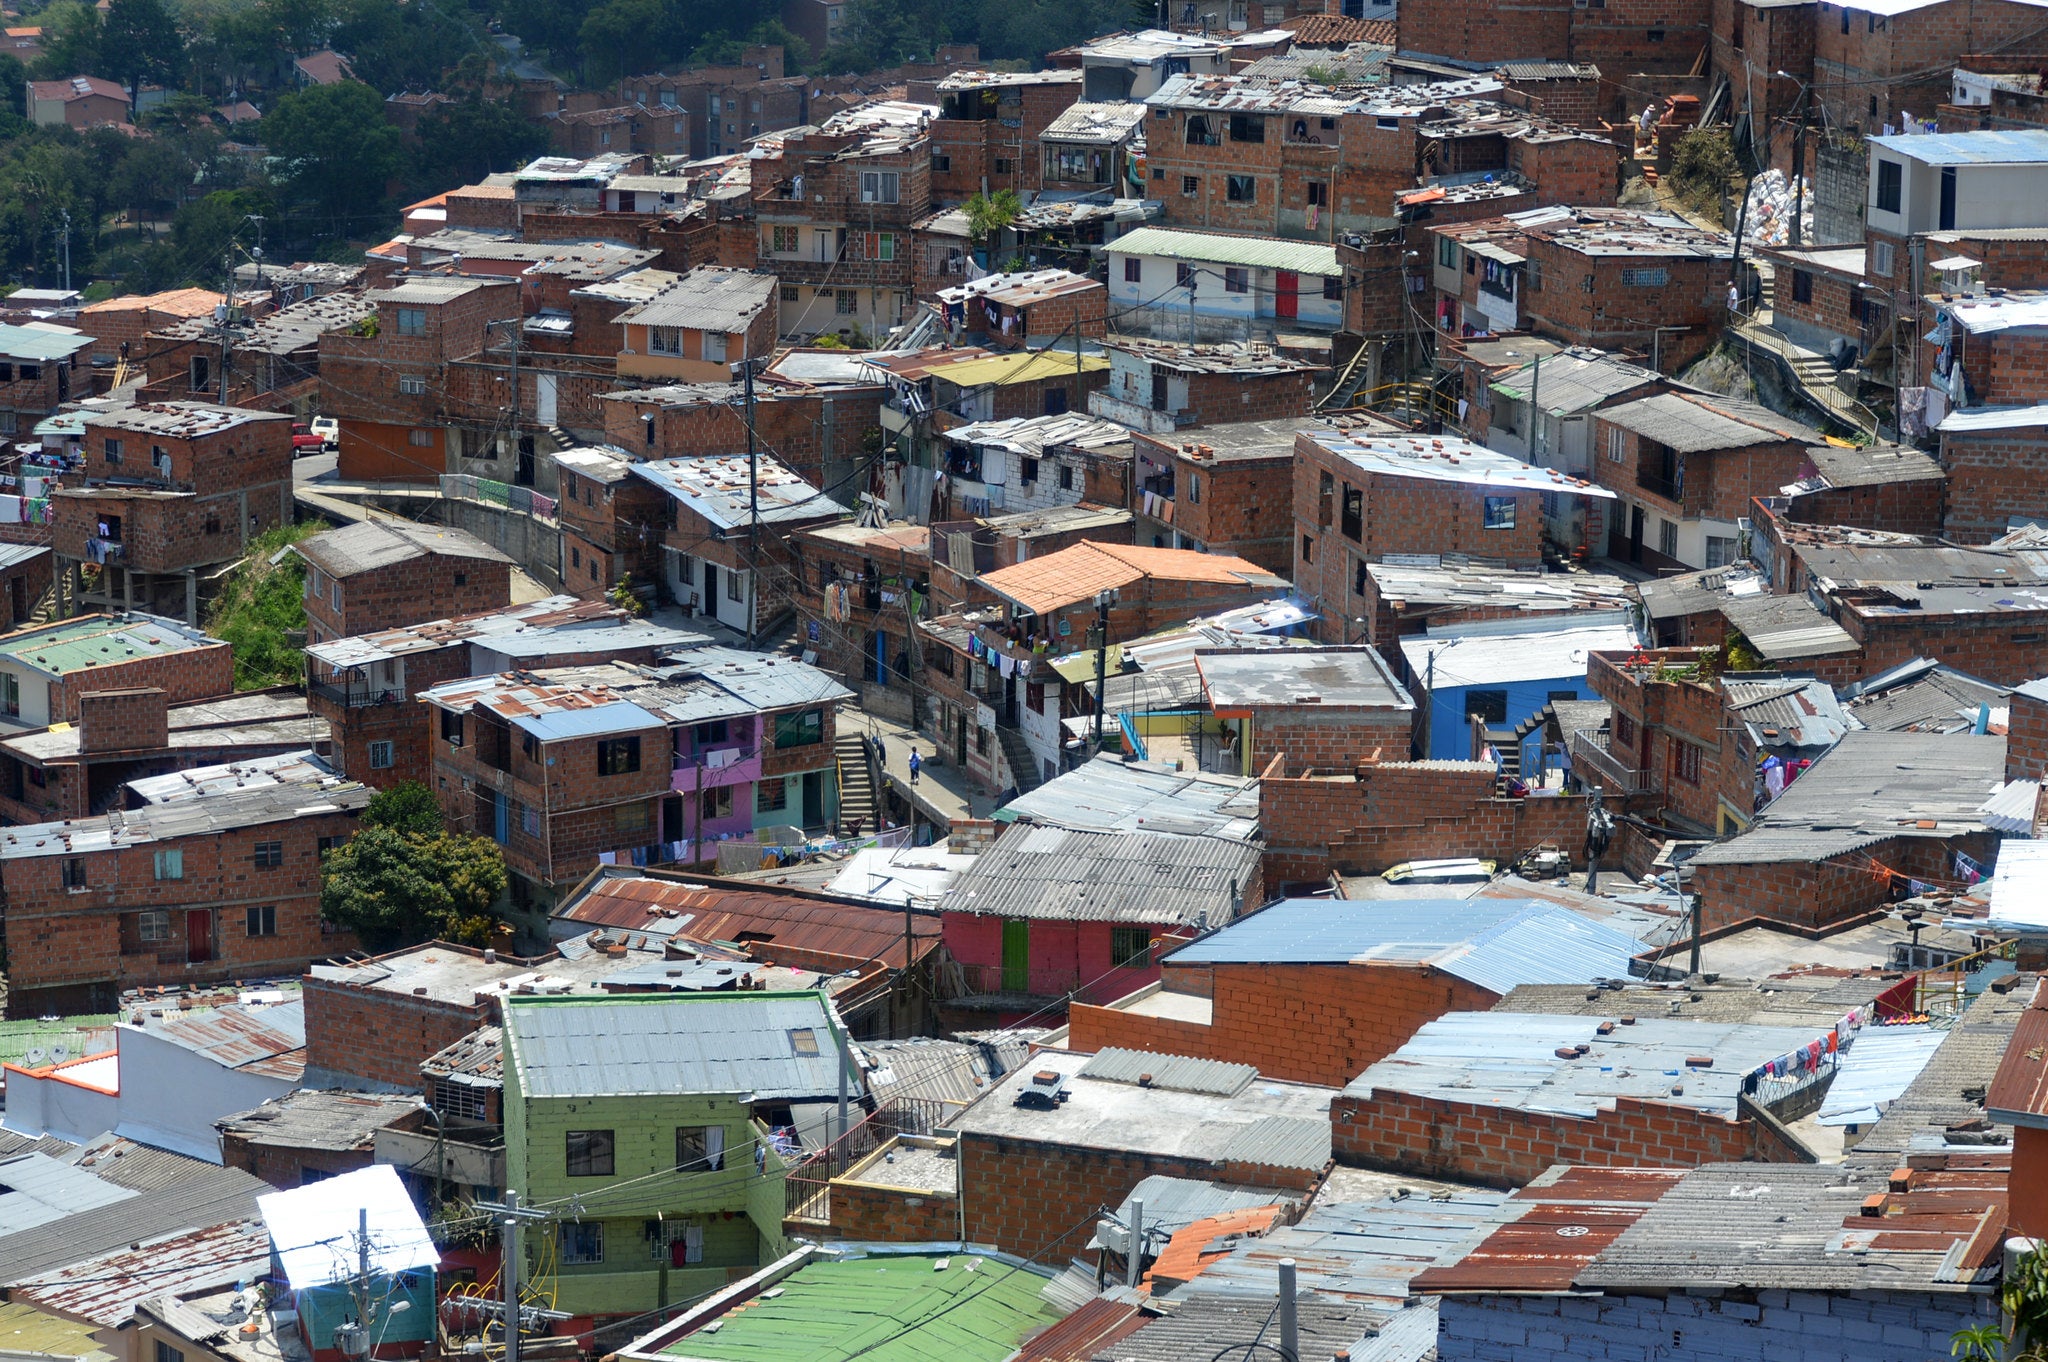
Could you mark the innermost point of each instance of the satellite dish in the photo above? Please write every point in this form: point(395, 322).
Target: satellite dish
point(36, 1057)
point(59, 1053)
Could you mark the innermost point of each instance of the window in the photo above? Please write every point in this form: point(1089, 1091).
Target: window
point(1247, 128)
point(112, 449)
point(1881, 258)
point(1236, 279)
point(1183, 275)
point(790, 294)
point(1318, 193)
point(170, 865)
point(153, 928)
point(1802, 286)
point(1490, 706)
point(700, 1149)
point(420, 439)
point(1199, 133)
point(803, 1042)
point(1134, 270)
point(582, 1242)
point(260, 921)
point(942, 164)
point(1241, 189)
point(1130, 947)
point(785, 240)
point(412, 321)
point(1667, 538)
point(1624, 731)
point(712, 733)
point(1720, 550)
point(575, 557)
point(589, 1153)
point(735, 587)
point(1359, 574)
point(412, 384)
point(1333, 289)
point(664, 340)
point(1353, 523)
point(1308, 548)
point(878, 186)
point(166, 1353)
point(1500, 513)
point(1066, 477)
point(451, 727)
point(715, 347)
point(1890, 185)
point(1685, 761)
point(1030, 469)
point(1447, 253)
point(268, 855)
point(618, 756)
point(1194, 489)
point(848, 303)
point(799, 730)
point(714, 803)
point(1647, 277)
point(629, 818)
point(1190, 185)
point(771, 796)
point(1617, 444)
point(380, 756)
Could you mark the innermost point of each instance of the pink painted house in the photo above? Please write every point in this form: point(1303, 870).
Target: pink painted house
point(1050, 914)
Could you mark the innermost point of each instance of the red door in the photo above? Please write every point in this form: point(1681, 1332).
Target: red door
point(1286, 293)
point(198, 936)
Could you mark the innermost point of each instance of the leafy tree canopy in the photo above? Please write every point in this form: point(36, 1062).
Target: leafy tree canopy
point(395, 889)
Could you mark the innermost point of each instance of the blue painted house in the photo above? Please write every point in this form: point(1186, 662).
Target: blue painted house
point(1504, 671)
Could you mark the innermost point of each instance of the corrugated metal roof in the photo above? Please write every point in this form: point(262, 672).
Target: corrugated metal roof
point(1197, 1325)
point(1511, 1060)
point(1076, 573)
point(2019, 888)
point(36, 1189)
point(1097, 1326)
point(940, 1070)
point(764, 917)
point(1364, 1252)
point(708, 298)
point(2011, 810)
point(1574, 381)
point(107, 1289)
point(1175, 1073)
point(313, 1229)
point(1498, 944)
point(1697, 424)
point(210, 1196)
point(1172, 1203)
point(1782, 628)
point(1990, 146)
point(1104, 124)
point(1788, 712)
point(1447, 458)
point(772, 1046)
point(1110, 794)
point(1975, 419)
point(716, 487)
point(41, 345)
point(1163, 243)
point(1551, 1229)
point(1881, 1063)
point(1142, 878)
point(1479, 659)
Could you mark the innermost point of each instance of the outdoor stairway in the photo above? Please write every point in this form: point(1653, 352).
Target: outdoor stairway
point(1023, 765)
point(46, 608)
point(856, 782)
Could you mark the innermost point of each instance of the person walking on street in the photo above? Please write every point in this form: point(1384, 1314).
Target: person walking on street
point(916, 765)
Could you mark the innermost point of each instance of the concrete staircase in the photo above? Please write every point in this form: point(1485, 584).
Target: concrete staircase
point(46, 609)
point(1023, 763)
point(856, 782)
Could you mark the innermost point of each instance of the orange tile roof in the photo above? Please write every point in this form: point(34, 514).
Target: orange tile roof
point(1335, 30)
point(1076, 573)
point(1203, 1242)
point(178, 302)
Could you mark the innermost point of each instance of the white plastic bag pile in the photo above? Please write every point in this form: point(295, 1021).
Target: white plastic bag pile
point(1769, 220)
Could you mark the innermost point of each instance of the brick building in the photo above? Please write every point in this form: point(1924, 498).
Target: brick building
point(1313, 707)
point(1163, 387)
point(273, 361)
point(72, 770)
point(117, 325)
point(724, 551)
point(997, 541)
point(1035, 463)
point(1226, 488)
point(1207, 286)
point(1683, 467)
point(222, 883)
point(985, 139)
point(611, 523)
point(1621, 37)
point(365, 686)
point(1669, 735)
point(1992, 459)
point(45, 670)
point(1031, 1172)
point(38, 374)
point(1007, 311)
point(931, 391)
point(1315, 989)
point(1763, 50)
point(1409, 598)
point(81, 102)
point(1818, 300)
point(1880, 487)
point(306, 1135)
point(172, 493)
point(1526, 398)
point(1359, 497)
point(860, 585)
point(1848, 836)
point(628, 128)
point(1600, 1095)
point(1872, 66)
point(386, 574)
point(1054, 597)
point(1622, 280)
point(387, 381)
point(698, 327)
point(834, 205)
point(1091, 148)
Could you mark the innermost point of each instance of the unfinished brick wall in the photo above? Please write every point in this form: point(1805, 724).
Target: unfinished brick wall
point(425, 587)
point(2026, 737)
point(1992, 478)
point(123, 720)
point(1820, 893)
point(287, 1168)
point(1321, 1024)
point(1333, 737)
point(380, 1036)
point(198, 672)
point(1503, 1147)
point(1915, 506)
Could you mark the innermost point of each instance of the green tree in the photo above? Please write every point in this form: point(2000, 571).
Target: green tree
point(260, 605)
point(408, 807)
point(13, 91)
point(621, 38)
point(395, 889)
point(71, 41)
point(140, 41)
point(462, 142)
point(337, 150)
point(150, 178)
point(988, 214)
point(1703, 168)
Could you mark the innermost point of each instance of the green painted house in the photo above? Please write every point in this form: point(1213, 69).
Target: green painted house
point(644, 1123)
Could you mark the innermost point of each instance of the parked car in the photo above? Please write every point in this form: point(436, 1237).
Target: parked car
point(328, 429)
point(306, 441)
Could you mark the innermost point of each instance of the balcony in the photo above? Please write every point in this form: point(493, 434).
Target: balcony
point(475, 1157)
point(1656, 484)
point(357, 697)
point(1598, 764)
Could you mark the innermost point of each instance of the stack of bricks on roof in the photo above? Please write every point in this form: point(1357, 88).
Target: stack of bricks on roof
point(1377, 727)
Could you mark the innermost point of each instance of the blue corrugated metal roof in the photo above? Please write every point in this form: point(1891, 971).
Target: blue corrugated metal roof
point(1989, 146)
point(1881, 1064)
point(1494, 943)
point(620, 716)
point(1360, 1251)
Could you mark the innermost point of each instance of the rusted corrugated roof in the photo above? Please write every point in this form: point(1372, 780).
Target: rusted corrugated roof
point(762, 919)
point(107, 1289)
point(1099, 1325)
point(1203, 1242)
point(2019, 1094)
point(1558, 1224)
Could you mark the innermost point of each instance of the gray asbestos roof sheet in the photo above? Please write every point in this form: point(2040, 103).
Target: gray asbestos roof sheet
point(1110, 794)
point(636, 1046)
point(374, 544)
point(1145, 878)
point(211, 1196)
point(1200, 1326)
point(1360, 1251)
point(1699, 424)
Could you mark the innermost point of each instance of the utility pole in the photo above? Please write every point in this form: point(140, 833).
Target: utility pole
point(512, 408)
point(1099, 632)
point(513, 1216)
point(257, 218)
point(747, 368)
point(227, 317)
point(1799, 164)
point(67, 250)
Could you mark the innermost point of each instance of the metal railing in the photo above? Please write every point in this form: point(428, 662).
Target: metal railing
point(1667, 488)
point(469, 487)
point(807, 1186)
point(1598, 764)
point(351, 697)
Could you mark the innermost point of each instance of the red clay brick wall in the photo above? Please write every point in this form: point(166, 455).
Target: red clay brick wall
point(1331, 738)
point(1906, 507)
point(1427, 1137)
point(1321, 1024)
point(123, 720)
point(864, 1214)
point(379, 1036)
point(2026, 738)
point(1991, 478)
point(409, 592)
point(195, 673)
point(1615, 316)
point(1219, 399)
point(1818, 894)
point(286, 1168)
point(1246, 507)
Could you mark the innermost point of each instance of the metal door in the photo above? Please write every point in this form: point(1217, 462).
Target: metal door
point(1286, 293)
point(1016, 956)
point(198, 936)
